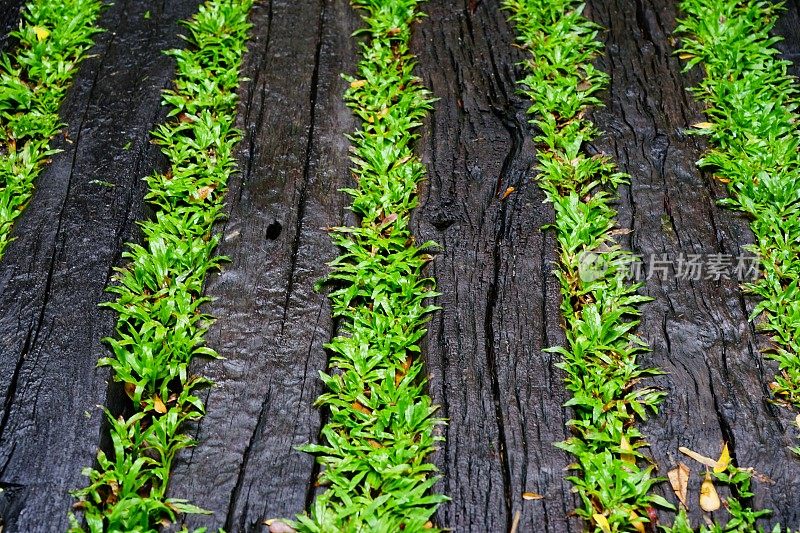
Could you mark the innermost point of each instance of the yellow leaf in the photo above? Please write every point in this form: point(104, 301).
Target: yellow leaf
point(709, 499)
point(41, 33)
point(531, 496)
point(686, 56)
point(602, 522)
point(356, 84)
point(637, 523)
point(797, 421)
point(159, 406)
point(724, 460)
point(703, 125)
point(679, 480)
point(508, 192)
point(627, 451)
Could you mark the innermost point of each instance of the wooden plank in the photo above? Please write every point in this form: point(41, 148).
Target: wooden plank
point(500, 392)
point(788, 27)
point(271, 324)
point(9, 19)
point(698, 330)
point(53, 276)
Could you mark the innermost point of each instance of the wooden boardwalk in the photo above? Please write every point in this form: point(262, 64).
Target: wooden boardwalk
point(501, 394)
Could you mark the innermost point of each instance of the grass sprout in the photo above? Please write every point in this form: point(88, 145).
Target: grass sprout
point(751, 105)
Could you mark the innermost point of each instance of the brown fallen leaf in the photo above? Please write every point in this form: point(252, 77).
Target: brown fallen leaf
point(724, 460)
point(703, 125)
point(507, 193)
point(130, 389)
point(679, 479)
point(702, 459)
point(359, 407)
point(797, 421)
point(709, 499)
point(389, 220)
point(515, 523)
point(532, 496)
point(584, 86)
point(203, 192)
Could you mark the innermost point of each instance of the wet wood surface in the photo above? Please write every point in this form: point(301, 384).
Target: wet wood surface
point(501, 394)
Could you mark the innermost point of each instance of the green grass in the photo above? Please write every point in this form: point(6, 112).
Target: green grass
point(161, 325)
point(381, 427)
point(751, 104)
point(53, 38)
point(610, 474)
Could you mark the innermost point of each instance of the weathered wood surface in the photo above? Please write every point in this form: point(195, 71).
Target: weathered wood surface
point(9, 17)
point(698, 330)
point(272, 324)
point(52, 277)
point(501, 394)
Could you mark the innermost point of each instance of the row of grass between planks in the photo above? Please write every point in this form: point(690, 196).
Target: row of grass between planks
point(161, 325)
point(752, 111)
point(382, 425)
point(598, 305)
point(52, 40)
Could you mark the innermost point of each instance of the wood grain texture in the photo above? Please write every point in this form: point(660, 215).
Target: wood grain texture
point(500, 392)
point(9, 19)
point(698, 330)
point(271, 324)
point(498, 389)
point(53, 275)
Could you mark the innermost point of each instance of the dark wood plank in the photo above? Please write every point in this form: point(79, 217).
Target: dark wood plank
point(698, 330)
point(788, 28)
point(53, 276)
point(499, 391)
point(9, 19)
point(271, 324)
